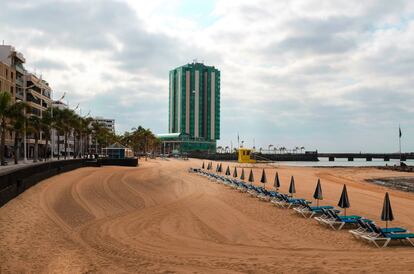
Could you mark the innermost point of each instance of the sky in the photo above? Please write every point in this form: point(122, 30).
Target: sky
point(332, 76)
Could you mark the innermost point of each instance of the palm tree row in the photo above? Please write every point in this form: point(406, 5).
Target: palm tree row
point(15, 119)
point(12, 119)
point(140, 140)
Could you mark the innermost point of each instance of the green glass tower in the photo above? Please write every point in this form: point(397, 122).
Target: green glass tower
point(194, 105)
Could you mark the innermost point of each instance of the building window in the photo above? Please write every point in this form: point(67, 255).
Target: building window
point(7, 74)
point(12, 75)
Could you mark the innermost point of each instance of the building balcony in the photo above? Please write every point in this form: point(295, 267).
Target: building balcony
point(20, 94)
point(34, 100)
point(20, 69)
point(19, 81)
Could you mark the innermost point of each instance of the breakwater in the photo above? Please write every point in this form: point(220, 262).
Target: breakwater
point(305, 157)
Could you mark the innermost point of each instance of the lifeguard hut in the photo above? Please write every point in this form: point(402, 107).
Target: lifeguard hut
point(245, 155)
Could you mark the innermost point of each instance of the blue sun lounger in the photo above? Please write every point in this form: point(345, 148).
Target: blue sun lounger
point(337, 222)
point(308, 211)
point(372, 230)
point(283, 200)
point(386, 236)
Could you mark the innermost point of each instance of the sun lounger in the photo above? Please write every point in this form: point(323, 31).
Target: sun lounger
point(285, 201)
point(370, 229)
point(308, 211)
point(386, 235)
point(263, 194)
point(337, 222)
point(242, 187)
point(252, 190)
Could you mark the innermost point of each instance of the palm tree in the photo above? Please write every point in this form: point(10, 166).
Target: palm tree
point(46, 126)
point(85, 131)
point(34, 125)
point(76, 126)
point(6, 103)
point(57, 124)
point(97, 131)
point(18, 123)
point(66, 116)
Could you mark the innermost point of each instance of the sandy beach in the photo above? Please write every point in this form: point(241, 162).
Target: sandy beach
point(160, 218)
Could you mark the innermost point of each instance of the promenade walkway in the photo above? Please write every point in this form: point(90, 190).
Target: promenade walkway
point(11, 166)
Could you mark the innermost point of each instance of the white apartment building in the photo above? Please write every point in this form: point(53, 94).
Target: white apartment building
point(108, 123)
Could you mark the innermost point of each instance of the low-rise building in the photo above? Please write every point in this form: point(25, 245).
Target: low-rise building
point(107, 123)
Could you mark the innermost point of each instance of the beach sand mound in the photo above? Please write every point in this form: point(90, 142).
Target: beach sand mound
point(160, 218)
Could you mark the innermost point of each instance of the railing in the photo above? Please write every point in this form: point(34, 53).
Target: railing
point(19, 81)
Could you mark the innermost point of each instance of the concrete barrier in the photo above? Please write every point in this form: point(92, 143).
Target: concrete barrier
point(118, 162)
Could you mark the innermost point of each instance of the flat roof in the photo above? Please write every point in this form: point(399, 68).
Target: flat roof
point(168, 135)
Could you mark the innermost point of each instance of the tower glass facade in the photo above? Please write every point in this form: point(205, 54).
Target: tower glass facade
point(194, 104)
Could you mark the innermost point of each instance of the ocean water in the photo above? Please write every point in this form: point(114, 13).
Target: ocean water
point(324, 162)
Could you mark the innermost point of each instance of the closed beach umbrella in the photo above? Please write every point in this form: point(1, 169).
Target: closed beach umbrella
point(221, 168)
point(242, 174)
point(292, 188)
point(318, 192)
point(208, 166)
point(276, 184)
point(386, 214)
point(344, 200)
point(202, 166)
point(263, 180)
point(228, 171)
point(217, 167)
point(251, 178)
point(211, 166)
point(235, 172)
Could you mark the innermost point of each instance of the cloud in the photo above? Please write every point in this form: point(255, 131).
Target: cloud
point(329, 75)
point(49, 64)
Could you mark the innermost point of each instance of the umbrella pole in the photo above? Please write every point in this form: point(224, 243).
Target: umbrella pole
point(317, 202)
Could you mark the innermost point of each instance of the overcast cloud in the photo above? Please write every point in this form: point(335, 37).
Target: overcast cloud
point(327, 75)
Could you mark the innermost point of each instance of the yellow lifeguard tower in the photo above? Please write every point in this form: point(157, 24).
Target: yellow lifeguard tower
point(245, 155)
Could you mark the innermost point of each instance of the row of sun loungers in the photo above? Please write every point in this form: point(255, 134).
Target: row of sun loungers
point(364, 229)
